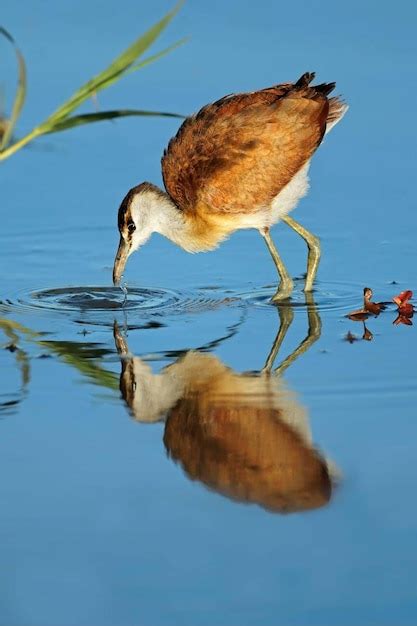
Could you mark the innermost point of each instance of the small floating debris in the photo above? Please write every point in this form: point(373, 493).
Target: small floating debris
point(350, 337)
point(358, 316)
point(369, 307)
point(372, 307)
point(405, 308)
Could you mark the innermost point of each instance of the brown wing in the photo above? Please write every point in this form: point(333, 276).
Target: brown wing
point(236, 154)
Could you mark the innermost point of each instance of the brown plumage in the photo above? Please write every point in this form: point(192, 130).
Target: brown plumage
point(236, 154)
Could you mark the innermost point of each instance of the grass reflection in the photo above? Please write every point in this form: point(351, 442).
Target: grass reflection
point(84, 357)
point(12, 332)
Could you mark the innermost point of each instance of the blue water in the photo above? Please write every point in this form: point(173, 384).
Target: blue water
point(101, 523)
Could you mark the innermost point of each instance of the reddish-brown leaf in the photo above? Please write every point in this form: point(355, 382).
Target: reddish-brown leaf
point(403, 298)
point(372, 307)
point(369, 307)
point(405, 308)
point(358, 316)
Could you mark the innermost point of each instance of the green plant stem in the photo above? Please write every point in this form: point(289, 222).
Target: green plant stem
point(61, 119)
point(4, 154)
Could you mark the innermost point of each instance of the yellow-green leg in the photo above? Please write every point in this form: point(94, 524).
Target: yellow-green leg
point(286, 284)
point(314, 253)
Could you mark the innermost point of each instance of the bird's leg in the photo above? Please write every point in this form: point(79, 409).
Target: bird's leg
point(314, 253)
point(286, 284)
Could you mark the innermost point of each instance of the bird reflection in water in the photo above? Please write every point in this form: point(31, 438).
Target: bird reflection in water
point(246, 435)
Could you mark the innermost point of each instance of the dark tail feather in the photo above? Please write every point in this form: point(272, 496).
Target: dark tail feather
point(324, 88)
point(305, 79)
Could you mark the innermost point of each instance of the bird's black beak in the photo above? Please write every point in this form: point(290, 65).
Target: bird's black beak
point(120, 260)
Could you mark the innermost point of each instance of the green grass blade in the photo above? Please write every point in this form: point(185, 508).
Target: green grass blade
point(113, 72)
point(145, 62)
point(20, 92)
point(88, 118)
point(151, 59)
point(137, 66)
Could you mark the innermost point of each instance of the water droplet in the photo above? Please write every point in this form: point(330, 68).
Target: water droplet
point(123, 287)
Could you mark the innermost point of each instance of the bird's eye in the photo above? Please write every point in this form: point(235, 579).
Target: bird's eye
point(131, 227)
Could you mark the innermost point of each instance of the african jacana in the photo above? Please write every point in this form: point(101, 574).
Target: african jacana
point(240, 162)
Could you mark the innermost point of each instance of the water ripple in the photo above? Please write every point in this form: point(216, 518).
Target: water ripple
point(326, 296)
point(100, 298)
point(156, 301)
point(100, 304)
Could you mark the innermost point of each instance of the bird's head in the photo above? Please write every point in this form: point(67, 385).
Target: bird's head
point(135, 226)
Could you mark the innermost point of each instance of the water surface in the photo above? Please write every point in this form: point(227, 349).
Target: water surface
point(200, 456)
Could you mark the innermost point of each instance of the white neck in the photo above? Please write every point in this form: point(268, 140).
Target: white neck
point(154, 212)
point(167, 219)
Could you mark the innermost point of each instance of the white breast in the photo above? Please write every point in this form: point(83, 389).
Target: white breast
point(288, 198)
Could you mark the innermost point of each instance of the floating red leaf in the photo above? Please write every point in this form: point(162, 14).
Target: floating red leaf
point(403, 297)
point(405, 308)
